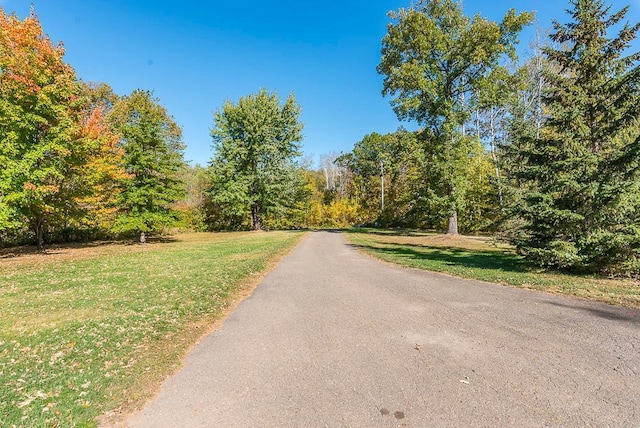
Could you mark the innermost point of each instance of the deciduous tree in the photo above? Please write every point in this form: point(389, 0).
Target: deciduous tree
point(256, 142)
point(384, 167)
point(54, 150)
point(153, 158)
point(434, 58)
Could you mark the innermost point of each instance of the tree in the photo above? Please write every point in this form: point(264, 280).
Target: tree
point(192, 207)
point(383, 167)
point(434, 58)
point(256, 142)
point(51, 143)
point(582, 203)
point(153, 147)
point(97, 185)
point(335, 175)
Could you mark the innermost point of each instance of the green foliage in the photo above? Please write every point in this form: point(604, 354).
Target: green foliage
point(55, 153)
point(37, 127)
point(329, 205)
point(410, 168)
point(581, 203)
point(192, 207)
point(480, 209)
point(389, 157)
point(254, 176)
point(433, 58)
point(152, 142)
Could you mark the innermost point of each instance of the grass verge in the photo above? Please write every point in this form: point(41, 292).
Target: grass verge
point(480, 258)
point(90, 330)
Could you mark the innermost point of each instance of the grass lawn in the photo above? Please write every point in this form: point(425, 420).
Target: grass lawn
point(480, 258)
point(94, 329)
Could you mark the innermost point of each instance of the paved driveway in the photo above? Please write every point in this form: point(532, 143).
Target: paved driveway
point(333, 338)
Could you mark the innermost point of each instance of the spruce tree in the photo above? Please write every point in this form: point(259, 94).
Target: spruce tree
point(581, 210)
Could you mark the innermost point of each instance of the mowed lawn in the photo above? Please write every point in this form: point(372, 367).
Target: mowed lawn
point(481, 258)
point(94, 329)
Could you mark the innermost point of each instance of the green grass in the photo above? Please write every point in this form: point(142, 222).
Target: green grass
point(480, 258)
point(85, 331)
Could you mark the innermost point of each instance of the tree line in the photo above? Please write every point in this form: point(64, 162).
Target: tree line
point(543, 152)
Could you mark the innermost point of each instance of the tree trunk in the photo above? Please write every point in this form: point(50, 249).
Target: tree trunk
point(453, 223)
point(495, 156)
point(382, 186)
point(38, 228)
point(256, 218)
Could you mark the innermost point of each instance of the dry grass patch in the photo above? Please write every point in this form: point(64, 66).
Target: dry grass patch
point(429, 239)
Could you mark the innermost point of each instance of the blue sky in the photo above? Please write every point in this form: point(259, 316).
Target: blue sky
point(195, 55)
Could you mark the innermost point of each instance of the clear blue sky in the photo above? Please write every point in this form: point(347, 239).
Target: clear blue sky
point(196, 54)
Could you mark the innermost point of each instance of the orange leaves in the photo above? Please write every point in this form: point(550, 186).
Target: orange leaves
point(102, 171)
point(28, 84)
point(28, 58)
point(95, 126)
point(106, 157)
point(29, 186)
point(41, 189)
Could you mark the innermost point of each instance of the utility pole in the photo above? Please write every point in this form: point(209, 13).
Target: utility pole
point(382, 183)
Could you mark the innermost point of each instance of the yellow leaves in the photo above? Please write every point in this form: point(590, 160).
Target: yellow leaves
point(337, 213)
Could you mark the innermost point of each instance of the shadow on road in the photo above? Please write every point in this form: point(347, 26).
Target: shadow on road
point(327, 230)
point(614, 313)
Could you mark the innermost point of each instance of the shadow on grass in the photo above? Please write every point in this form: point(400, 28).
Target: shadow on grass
point(453, 256)
point(389, 232)
point(54, 249)
point(159, 240)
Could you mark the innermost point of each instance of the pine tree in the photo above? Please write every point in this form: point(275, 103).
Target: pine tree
point(581, 211)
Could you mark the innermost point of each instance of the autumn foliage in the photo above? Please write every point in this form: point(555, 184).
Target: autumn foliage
point(60, 160)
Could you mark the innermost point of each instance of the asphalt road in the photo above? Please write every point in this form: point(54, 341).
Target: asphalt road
point(333, 338)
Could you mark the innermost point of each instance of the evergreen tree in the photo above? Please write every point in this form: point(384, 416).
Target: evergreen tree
point(582, 207)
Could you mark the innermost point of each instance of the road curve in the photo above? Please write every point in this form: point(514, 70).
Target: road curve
point(334, 338)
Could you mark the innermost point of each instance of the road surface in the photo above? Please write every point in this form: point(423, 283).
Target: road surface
point(334, 338)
